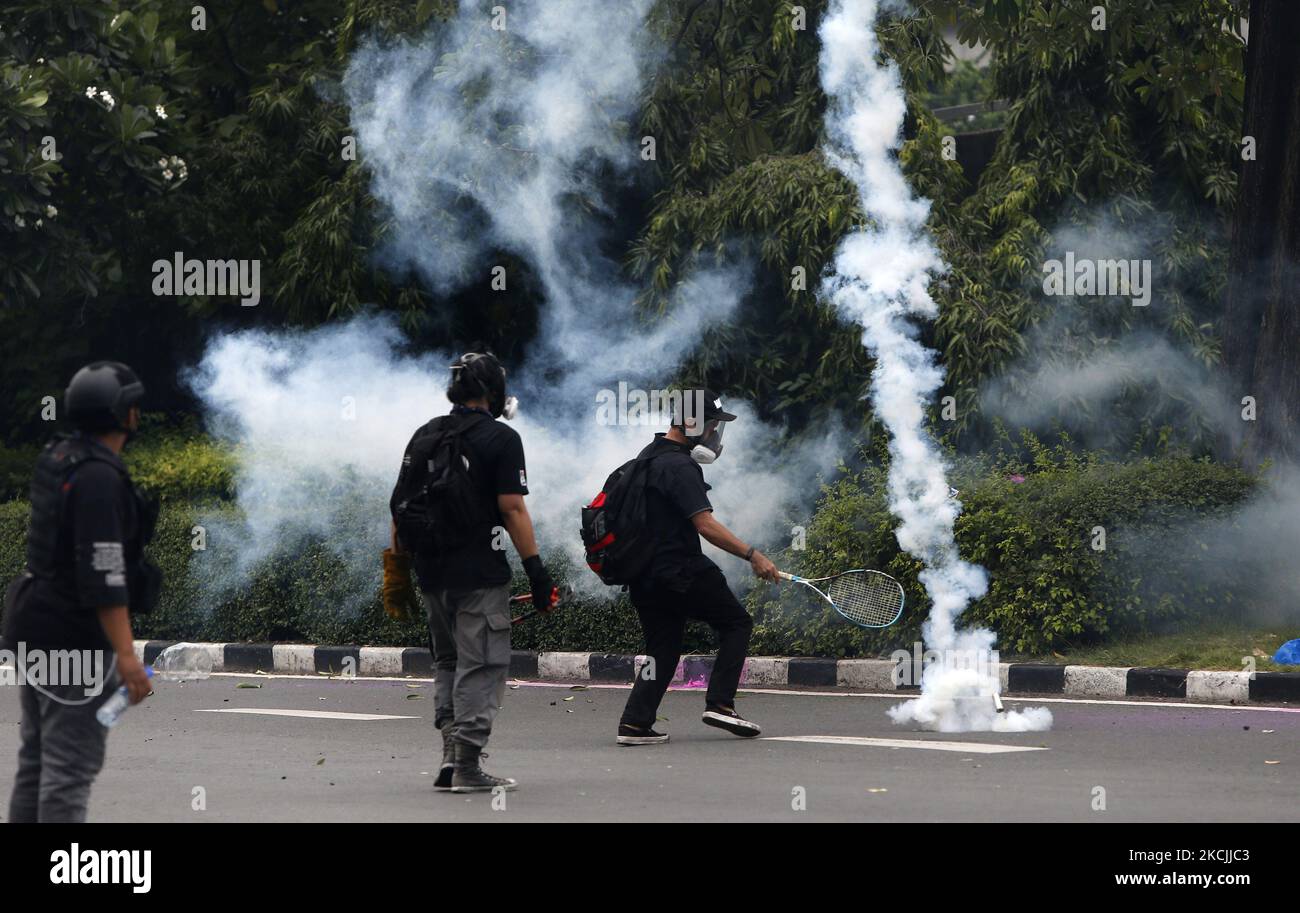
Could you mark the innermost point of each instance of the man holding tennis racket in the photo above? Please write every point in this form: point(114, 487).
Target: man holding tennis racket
point(680, 582)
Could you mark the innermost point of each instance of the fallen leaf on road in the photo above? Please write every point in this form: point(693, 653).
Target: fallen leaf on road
point(569, 698)
point(247, 685)
point(320, 762)
point(415, 697)
point(577, 687)
point(878, 790)
point(1272, 762)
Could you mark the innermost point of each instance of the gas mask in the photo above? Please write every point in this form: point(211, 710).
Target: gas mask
point(509, 408)
point(708, 443)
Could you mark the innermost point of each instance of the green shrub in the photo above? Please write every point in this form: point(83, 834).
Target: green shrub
point(180, 463)
point(172, 462)
point(303, 592)
point(16, 471)
point(1048, 586)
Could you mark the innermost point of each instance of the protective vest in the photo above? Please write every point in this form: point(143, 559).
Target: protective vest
point(50, 485)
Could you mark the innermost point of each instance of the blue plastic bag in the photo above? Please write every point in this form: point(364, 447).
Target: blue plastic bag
point(1288, 654)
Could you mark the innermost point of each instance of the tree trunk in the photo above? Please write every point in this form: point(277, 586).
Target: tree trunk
point(1261, 326)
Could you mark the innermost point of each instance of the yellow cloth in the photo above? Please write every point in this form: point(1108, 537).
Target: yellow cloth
point(399, 593)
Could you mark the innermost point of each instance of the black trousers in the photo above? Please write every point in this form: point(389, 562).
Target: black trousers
point(664, 613)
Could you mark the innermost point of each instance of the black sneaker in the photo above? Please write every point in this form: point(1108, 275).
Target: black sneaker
point(444, 777)
point(469, 777)
point(448, 766)
point(731, 721)
point(630, 735)
point(480, 781)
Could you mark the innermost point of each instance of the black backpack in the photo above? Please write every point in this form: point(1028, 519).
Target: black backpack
point(615, 530)
point(435, 505)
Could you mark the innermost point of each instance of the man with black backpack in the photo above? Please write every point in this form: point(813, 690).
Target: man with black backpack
point(644, 530)
point(462, 481)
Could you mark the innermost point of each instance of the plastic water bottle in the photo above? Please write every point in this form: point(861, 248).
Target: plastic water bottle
point(110, 712)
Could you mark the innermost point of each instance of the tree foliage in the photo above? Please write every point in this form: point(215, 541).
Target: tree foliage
point(1137, 121)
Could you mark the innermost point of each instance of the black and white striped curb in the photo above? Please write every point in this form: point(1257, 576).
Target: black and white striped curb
point(861, 674)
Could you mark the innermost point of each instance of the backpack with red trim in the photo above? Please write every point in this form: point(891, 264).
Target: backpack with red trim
point(615, 530)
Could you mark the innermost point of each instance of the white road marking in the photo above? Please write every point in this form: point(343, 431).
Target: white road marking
point(967, 747)
point(891, 695)
point(311, 714)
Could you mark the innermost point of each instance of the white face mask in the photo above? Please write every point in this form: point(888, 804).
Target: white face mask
point(710, 446)
point(702, 454)
point(509, 408)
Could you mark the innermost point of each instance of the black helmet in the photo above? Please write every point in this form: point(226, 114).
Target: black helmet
point(100, 396)
point(479, 374)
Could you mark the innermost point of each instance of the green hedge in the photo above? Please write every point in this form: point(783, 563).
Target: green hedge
point(301, 594)
point(174, 461)
point(1048, 587)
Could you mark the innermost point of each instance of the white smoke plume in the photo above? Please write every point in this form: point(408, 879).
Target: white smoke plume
point(880, 280)
point(480, 140)
point(1100, 368)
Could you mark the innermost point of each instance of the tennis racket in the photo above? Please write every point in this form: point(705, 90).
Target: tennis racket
point(869, 599)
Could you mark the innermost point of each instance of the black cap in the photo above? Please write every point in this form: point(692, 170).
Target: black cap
point(712, 406)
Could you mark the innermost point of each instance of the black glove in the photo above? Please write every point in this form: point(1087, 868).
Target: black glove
point(545, 593)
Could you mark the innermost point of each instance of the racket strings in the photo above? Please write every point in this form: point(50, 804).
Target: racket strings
point(867, 599)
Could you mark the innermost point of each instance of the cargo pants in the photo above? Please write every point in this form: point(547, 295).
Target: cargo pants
point(470, 632)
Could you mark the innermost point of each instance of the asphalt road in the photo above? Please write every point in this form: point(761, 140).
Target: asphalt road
point(1153, 761)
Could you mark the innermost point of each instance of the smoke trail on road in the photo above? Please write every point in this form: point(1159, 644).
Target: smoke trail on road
point(880, 280)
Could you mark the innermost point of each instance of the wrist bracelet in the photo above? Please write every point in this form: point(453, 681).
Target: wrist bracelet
point(749, 555)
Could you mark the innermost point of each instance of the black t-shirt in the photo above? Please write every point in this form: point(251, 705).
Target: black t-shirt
point(99, 540)
point(496, 465)
point(676, 492)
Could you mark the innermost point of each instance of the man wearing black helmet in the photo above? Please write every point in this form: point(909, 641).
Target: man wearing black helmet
point(462, 482)
point(681, 582)
point(86, 571)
